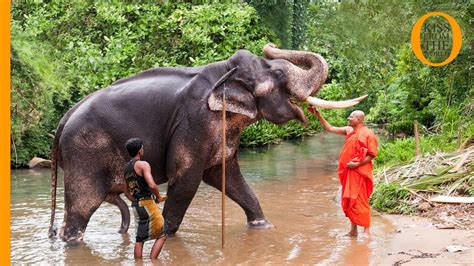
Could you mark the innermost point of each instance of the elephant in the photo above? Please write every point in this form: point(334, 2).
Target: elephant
point(177, 112)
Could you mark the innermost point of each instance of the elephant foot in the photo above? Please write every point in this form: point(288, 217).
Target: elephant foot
point(259, 224)
point(71, 236)
point(52, 232)
point(171, 232)
point(73, 240)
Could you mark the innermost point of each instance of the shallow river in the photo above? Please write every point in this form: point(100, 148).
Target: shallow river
point(296, 183)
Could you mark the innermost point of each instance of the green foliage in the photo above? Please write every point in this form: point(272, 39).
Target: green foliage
point(64, 50)
point(298, 25)
point(403, 126)
point(265, 133)
point(391, 198)
point(471, 187)
point(359, 42)
point(34, 87)
point(403, 150)
point(433, 183)
point(367, 45)
point(286, 18)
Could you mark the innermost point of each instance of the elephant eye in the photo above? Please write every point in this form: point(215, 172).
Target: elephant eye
point(278, 73)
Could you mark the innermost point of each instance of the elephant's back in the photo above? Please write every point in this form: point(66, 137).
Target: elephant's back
point(144, 106)
point(175, 76)
point(107, 118)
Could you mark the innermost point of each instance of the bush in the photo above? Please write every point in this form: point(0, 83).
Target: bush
point(401, 127)
point(391, 198)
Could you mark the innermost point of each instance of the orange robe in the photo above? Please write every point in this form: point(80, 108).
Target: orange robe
point(357, 183)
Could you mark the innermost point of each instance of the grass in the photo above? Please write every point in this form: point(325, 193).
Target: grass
point(391, 198)
point(403, 150)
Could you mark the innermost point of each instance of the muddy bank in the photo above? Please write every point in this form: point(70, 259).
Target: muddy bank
point(417, 241)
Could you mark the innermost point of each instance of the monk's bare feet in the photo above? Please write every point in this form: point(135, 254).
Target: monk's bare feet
point(366, 233)
point(351, 233)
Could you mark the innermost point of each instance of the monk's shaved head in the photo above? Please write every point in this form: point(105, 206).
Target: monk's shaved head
point(356, 118)
point(359, 114)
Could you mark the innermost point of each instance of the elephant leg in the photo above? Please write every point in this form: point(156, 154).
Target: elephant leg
point(82, 198)
point(180, 195)
point(239, 191)
point(116, 200)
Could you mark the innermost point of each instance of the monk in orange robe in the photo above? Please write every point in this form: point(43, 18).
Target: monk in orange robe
point(355, 168)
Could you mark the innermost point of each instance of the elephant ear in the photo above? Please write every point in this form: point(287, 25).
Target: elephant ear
point(237, 99)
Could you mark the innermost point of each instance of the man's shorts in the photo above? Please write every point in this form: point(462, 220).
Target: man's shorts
point(149, 220)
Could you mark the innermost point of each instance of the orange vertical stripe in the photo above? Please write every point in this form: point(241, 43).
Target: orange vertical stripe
point(5, 132)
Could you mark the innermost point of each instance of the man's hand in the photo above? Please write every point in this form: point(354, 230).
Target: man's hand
point(126, 192)
point(312, 110)
point(159, 198)
point(352, 165)
point(162, 198)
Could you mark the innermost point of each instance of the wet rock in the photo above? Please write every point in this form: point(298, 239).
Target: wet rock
point(456, 248)
point(37, 162)
point(445, 226)
point(424, 206)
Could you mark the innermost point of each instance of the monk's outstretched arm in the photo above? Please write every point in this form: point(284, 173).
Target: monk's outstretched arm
point(338, 130)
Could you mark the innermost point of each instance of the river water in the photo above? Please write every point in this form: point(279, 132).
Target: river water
point(296, 183)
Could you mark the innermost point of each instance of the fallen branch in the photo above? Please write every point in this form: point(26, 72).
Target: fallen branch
point(460, 163)
point(418, 195)
point(449, 199)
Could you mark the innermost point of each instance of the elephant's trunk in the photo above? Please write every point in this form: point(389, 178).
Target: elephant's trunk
point(308, 71)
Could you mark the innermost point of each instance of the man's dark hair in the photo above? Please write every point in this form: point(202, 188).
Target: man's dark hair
point(133, 145)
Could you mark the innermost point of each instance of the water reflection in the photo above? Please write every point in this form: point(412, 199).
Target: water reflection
point(295, 183)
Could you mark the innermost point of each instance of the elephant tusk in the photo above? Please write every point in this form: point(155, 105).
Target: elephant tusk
point(334, 104)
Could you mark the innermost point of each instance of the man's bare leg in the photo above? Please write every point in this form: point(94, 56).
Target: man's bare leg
point(156, 249)
point(366, 233)
point(137, 252)
point(353, 231)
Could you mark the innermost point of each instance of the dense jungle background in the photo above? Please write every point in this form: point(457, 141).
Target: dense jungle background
point(63, 50)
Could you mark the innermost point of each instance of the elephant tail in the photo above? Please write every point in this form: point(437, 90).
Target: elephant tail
point(55, 158)
point(54, 179)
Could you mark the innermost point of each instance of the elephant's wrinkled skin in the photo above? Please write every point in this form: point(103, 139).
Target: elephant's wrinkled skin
point(176, 112)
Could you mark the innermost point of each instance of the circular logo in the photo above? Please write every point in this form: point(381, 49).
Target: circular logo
point(416, 40)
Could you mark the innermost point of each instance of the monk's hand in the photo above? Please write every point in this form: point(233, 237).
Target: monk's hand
point(312, 110)
point(352, 165)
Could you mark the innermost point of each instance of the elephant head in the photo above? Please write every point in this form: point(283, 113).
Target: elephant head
point(267, 88)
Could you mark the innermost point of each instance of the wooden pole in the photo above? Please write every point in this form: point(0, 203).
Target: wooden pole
point(223, 165)
point(417, 138)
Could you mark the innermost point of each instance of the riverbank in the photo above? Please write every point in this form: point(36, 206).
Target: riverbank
point(416, 240)
point(436, 232)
